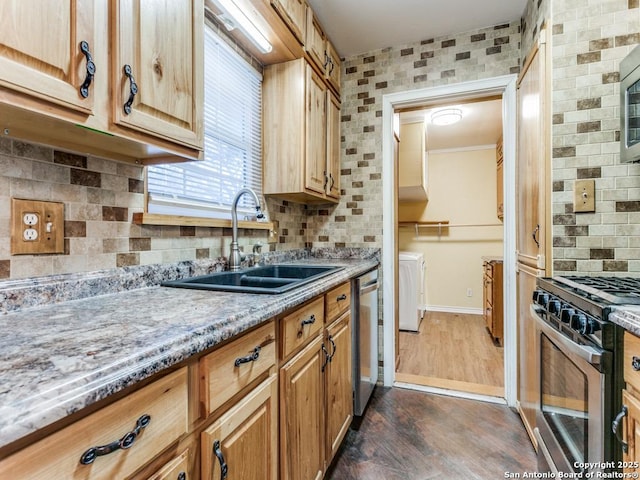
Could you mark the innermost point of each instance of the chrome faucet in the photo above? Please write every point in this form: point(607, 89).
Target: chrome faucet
point(235, 258)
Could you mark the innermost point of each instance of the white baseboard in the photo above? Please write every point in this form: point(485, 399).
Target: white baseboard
point(444, 309)
point(451, 393)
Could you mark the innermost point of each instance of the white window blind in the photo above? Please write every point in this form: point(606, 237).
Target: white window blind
point(232, 143)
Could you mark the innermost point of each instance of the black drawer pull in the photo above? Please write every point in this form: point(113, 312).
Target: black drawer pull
point(252, 357)
point(341, 297)
point(91, 69)
point(125, 442)
point(133, 89)
point(615, 428)
point(182, 476)
point(309, 321)
point(635, 363)
point(217, 451)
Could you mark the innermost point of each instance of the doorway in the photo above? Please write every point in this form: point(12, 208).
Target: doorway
point(450, 241)
point(504, 88)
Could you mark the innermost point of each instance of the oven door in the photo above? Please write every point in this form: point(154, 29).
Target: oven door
point(573, 386)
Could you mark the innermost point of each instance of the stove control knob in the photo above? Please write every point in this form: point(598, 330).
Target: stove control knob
point(540, 297)
point(566, 313)
point(554, 306)
point(578, 320)
point(589, 327)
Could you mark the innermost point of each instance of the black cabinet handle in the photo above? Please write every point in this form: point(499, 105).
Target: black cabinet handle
point(133, 89)
point(333, 344)
point(217, 451)
point(326, 357)
point(252, 357)
point(91, 69)
point(615, 428)
point(309, 321)
point(535, 235)
point(326, 60)
point(333, 182)
point(341, 297)
point(182, 476)
point(635, 363)
point(332, 66)
point(125, 442)
point(326, 180)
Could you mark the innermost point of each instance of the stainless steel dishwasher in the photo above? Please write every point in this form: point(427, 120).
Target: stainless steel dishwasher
point(364, 292)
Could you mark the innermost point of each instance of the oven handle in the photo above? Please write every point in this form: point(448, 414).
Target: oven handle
point(587, 353)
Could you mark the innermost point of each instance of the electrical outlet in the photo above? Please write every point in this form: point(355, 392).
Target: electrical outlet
point(469, 292)
point(36, 227)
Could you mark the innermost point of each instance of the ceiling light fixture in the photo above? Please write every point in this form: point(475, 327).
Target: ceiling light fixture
point(446, 116)
point(234, 17)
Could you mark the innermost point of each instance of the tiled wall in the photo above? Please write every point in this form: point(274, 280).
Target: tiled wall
point(589, 39)
point(485, 53)
point(100, 197)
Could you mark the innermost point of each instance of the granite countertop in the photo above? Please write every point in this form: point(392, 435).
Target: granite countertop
point(628, 317)
point(57, 359)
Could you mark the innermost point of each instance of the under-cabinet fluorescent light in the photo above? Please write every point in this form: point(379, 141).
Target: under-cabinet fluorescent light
point(234, 16)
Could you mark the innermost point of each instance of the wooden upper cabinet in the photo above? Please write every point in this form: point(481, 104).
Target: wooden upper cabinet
point(532, 183)
point(297, 128)
point(315, 167)
point(40, 53)
point(314, 41)
point(332, 70)
point(293, 13)
point(157, 68)
point(333, 145)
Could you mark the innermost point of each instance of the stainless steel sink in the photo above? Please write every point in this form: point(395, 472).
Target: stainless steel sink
point(267, 279)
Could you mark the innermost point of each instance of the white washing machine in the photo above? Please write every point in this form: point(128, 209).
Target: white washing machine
point(411, 266)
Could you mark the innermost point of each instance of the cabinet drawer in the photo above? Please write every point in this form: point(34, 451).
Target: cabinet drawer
point(337, 301)
point(631, 358)
point(58, 455)
point(176, 469)
point(301, 325)
point(231, 368)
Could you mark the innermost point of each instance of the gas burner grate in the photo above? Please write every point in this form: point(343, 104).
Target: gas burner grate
point(613, 290)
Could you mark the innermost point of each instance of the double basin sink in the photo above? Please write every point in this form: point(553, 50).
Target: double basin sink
point(272, 279)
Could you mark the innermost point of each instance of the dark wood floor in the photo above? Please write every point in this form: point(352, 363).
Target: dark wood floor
point(412, 435)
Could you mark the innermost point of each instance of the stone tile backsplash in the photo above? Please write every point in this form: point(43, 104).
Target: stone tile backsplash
point(100, 198)
point(589, 39)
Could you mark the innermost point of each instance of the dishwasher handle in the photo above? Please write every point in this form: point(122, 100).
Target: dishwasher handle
point(369, 287)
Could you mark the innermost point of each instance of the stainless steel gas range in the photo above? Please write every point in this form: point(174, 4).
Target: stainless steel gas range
point(579, 354)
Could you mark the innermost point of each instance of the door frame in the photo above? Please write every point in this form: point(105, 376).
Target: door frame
point(506, 87)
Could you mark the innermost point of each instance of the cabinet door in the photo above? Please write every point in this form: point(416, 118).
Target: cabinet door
point(339, 384)
point(302, 414)
point(315, 163)
point(293, 13)
point(40, 53)
point(528, 374)
point(167, 69)
point(314, 42)
point(631, 429)
point(532, 162)
point(245, 439)
point(333, 145)
point(333, 66)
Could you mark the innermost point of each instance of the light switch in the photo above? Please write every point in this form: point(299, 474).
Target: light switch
point(584, 196)
point(36, 227)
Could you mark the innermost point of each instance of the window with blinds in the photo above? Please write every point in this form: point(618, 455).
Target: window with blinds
point(232, 143)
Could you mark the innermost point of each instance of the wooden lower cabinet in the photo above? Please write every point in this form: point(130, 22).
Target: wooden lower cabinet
point(528, 345)
point(493, 299)
point(259, 407)
point(302, 414)
point(244, 440)
point(61, 455)
point(339, 390)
